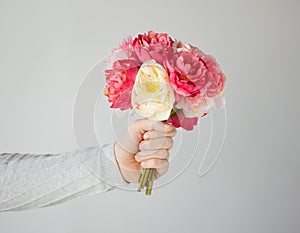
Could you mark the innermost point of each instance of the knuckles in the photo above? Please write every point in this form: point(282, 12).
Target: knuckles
point(162, 143)
point(164, 154)
point(156, 154)
point(169, 143)
point(158, 164)
point(154, 163)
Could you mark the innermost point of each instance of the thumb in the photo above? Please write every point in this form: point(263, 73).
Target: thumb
point(131, 139)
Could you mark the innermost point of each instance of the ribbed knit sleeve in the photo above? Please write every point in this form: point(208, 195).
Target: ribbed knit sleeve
point(37, 180)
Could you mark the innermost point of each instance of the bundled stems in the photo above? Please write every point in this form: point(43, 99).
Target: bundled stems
point(150, 182)
point(146, 179)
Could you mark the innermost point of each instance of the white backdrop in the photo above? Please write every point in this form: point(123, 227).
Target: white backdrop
point(48, 46)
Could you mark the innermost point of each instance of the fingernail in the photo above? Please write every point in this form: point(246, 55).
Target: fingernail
point(146, 136)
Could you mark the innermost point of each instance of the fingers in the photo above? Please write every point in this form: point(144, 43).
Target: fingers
point(161, 166)
point(153, 163)
point(148, 125)
point(156, 154)
point(156, 144)
point(158, 134)
point(160, 171)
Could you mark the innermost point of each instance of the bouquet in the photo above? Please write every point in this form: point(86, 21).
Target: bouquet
point(163, 79)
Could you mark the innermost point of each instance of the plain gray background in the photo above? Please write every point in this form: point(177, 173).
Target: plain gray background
point(46, 48)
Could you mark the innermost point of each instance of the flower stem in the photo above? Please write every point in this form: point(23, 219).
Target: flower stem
point(150, 182)
point(146, 179)
point(141, 174)
point(141, 178)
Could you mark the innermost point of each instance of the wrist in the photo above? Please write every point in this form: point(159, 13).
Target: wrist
point(121, 156)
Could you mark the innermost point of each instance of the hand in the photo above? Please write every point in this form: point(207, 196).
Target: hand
point(146, 143)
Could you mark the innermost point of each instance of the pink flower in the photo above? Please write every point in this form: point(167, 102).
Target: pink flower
point(120, 80)
point(186, 69)
point(194, 106)
point(216, 78)
point(143, 54)
point(178, 119)
point(183, 46)
point(123, 52)
point(153, 38)
point(192, 72)
point(126, 43)
point(143, 48)
point(214, 82)
point(152, 46)
point(182, 85)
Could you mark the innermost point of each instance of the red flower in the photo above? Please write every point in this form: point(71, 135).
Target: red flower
point(120, 80)
point(178, 119)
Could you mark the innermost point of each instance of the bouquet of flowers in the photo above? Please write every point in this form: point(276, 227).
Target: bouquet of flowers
point(163, 79)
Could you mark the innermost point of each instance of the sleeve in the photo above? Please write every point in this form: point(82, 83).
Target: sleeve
point(36, 180)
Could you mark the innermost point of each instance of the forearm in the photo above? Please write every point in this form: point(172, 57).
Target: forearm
point(37, 180)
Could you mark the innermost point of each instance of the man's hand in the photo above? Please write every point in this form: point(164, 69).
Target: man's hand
point(147, 144)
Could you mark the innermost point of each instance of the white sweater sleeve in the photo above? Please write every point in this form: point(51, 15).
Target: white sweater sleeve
point(37, 180)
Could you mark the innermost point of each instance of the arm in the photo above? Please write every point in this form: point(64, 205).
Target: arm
point(36, 180)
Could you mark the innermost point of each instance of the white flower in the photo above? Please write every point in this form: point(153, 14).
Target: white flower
point(152, 95)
